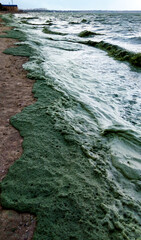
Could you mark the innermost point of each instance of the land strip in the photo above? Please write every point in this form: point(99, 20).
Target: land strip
point(15, 94)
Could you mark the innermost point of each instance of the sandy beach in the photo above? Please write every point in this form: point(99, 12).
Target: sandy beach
point(15, 94)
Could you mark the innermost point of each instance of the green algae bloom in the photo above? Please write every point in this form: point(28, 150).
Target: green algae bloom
point(59, 180)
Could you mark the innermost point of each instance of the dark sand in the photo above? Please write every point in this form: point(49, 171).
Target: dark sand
point(15, 94)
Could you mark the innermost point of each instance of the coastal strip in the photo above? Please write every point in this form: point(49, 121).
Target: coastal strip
point(15, 94)
point(63, 177)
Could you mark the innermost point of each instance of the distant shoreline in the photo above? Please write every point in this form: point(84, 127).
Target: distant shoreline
point(83, 11)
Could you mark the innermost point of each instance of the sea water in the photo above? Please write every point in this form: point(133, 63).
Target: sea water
point(109, 90)
point(101, 96)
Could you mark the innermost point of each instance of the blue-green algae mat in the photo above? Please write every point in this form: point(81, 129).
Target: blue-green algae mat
point(54, 179)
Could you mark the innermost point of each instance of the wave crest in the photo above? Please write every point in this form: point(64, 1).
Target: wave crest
point(47, 31)
point(117, 52)
point(87, 33)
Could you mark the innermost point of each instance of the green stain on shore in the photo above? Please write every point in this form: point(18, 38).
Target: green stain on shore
point(53, 179)
point(23, 50)
point(16, 34)
point(7, 18)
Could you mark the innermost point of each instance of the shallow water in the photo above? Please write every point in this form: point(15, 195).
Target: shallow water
point(101, 99)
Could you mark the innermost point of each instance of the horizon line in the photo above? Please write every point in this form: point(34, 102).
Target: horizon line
point(82, 10)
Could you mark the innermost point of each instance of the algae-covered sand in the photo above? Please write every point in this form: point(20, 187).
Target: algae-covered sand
point(54, 181)
point(59, 180)
point(15, 94)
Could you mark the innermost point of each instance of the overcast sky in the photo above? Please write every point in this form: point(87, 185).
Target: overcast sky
point(78, 4)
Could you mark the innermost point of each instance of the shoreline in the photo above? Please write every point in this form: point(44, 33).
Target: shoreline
point(67, 175)
point(15, 94)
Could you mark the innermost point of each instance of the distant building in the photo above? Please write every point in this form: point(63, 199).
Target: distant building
point(9, 8)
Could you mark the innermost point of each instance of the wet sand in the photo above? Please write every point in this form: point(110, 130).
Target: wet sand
point(15, 94)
